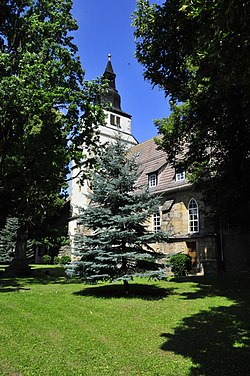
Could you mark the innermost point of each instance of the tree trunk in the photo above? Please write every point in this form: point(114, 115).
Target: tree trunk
point(124, 269)
point(126, 287)
point(19, 265)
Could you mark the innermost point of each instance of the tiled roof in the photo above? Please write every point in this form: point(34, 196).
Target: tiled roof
point(150, 160)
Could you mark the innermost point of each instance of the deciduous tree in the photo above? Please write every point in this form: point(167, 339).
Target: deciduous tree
point(43, 97)
point(198, 52)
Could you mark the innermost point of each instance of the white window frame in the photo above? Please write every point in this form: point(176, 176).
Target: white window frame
point(193, 217)
point(156, 221)
point(180, 176)
point(152, 180)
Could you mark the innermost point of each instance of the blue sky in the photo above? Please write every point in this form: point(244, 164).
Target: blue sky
point(105, 27)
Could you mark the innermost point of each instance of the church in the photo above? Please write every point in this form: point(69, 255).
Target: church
point(181, 214)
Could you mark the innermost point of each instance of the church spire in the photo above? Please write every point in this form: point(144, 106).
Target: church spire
point(109, 72)
point(109, 68)
point(113, 96)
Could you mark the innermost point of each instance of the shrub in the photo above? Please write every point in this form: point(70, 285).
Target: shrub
point(56, 260)
point(180, 264)
point(65, 260)
point(46, 259)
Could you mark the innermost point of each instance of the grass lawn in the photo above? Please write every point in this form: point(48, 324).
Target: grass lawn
point(197, 326)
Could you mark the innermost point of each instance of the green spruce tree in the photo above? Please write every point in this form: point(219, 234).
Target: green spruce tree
point(115, 244)
point(8, 237)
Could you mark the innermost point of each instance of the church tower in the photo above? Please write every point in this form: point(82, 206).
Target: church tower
point(118, 122)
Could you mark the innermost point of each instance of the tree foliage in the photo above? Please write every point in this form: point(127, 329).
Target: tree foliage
point(47, 109)
point(115, 242)
point(198, 52)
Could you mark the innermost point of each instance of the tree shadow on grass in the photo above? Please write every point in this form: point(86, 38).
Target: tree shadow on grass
point(13, 289)
point(43, 276)
point(11, 285)
point(217, 340)
point(136, 290)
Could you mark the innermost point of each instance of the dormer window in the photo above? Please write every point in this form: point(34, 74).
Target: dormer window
point(180, 175)
point(152, 180)
point(115, 120)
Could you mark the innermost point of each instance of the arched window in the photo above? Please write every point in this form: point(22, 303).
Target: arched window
point(193, 216)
